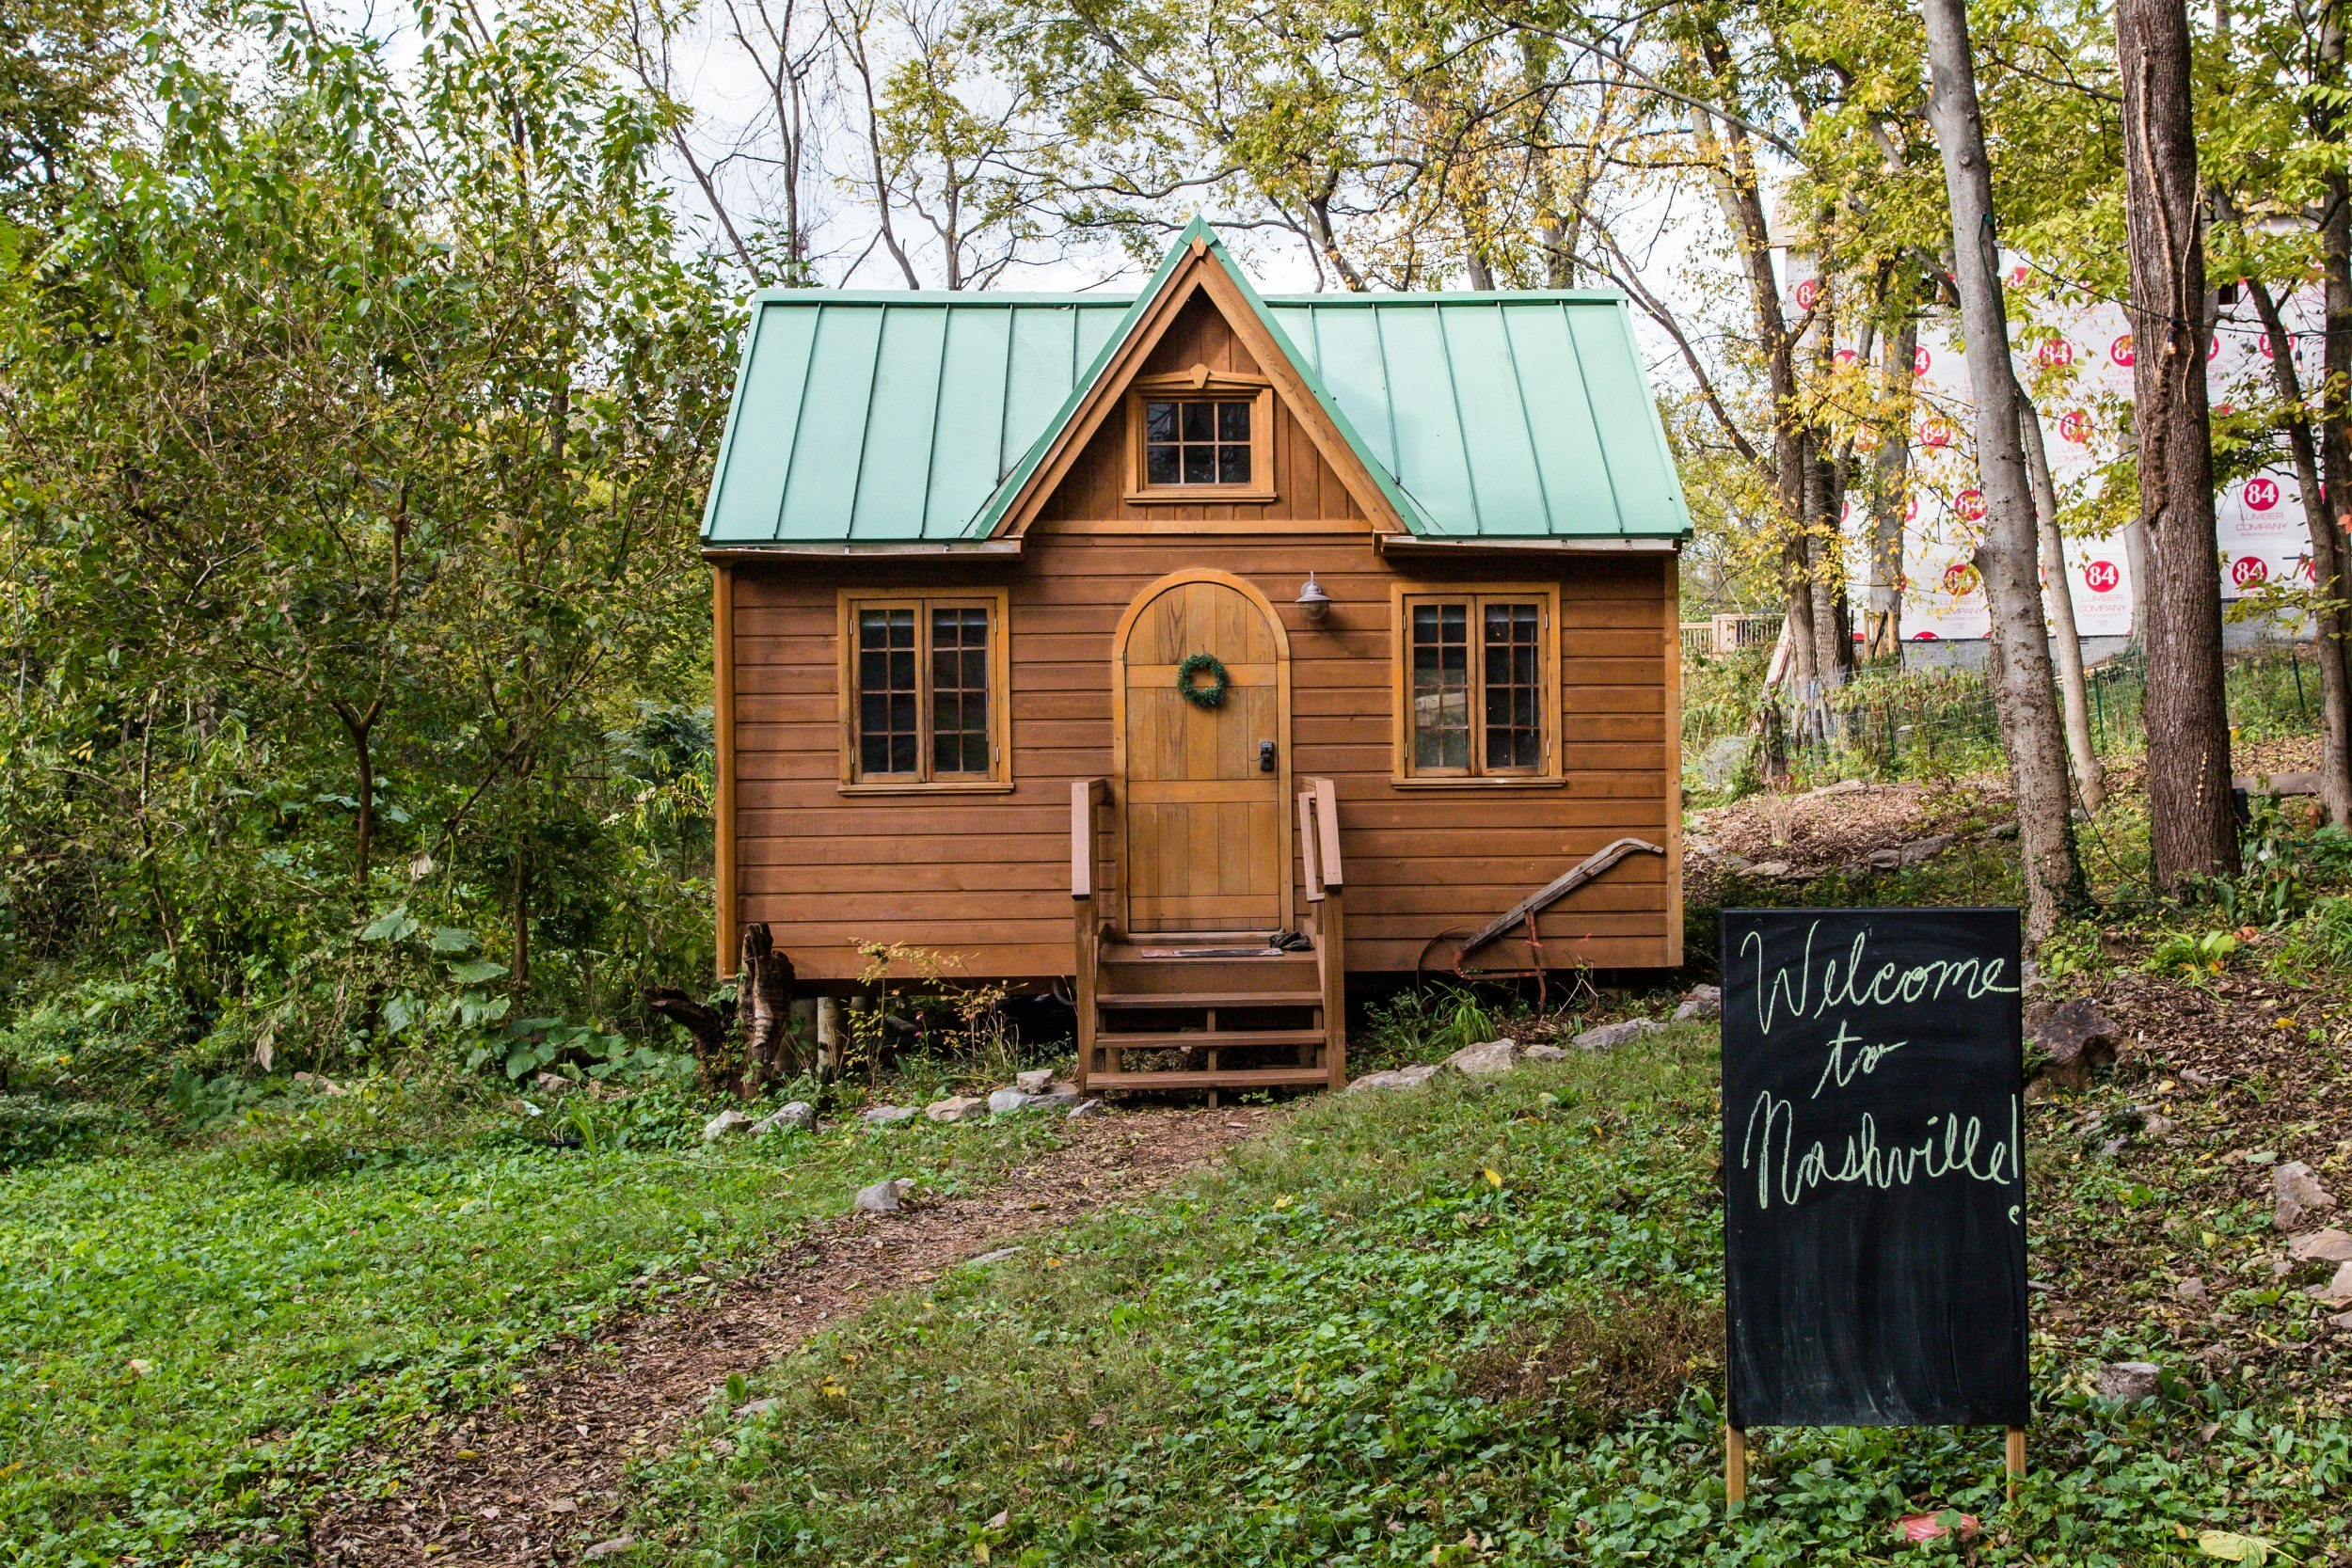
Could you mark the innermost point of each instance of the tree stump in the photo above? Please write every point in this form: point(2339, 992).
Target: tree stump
point(764, 981)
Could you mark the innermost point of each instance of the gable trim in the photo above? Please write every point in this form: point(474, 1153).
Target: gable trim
point(1196, 265)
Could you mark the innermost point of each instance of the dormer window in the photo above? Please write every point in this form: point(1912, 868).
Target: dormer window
point(1196, 441)
point(1200, 436)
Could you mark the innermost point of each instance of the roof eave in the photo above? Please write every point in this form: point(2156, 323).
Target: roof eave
point(1533, 544)
point(861, 549)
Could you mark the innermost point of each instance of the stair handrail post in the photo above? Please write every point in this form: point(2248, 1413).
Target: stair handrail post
point(1087, 797)
point(1320, 807)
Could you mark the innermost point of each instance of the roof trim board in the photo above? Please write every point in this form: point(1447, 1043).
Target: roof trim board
point(1196, 263)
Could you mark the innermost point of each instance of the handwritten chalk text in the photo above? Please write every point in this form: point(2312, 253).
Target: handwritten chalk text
point(1794, 994)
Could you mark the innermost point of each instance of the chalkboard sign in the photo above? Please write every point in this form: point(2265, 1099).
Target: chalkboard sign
point(1874, 1197)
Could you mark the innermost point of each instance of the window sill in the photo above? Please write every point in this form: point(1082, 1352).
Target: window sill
point(1475, 782)
point(975, 787)
point(1196, 495)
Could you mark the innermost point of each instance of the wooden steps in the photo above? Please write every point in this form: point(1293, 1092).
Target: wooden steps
point(1211, 1011)
point(1168, 1016)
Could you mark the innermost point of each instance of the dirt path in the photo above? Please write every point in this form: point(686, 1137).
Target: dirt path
point(538, 1480)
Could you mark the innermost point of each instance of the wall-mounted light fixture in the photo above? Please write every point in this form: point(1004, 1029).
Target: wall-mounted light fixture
point(1314, 601)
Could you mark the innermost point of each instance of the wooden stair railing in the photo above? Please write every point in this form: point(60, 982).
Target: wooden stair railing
point(1179, 1013)
point(1086, 799)
point(1327, 885)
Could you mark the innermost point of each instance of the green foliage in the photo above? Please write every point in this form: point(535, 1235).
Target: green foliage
point(1413, 1021)
point(34, 1128)
point(1470, 1324)
point(195, 1340)
point(2195, 952)
point(356, 427)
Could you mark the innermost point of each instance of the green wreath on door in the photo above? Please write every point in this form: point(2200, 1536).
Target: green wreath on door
point(1206, 697)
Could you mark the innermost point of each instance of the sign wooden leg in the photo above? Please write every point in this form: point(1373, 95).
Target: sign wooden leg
point(2016, 1460)
point(1735, 1466)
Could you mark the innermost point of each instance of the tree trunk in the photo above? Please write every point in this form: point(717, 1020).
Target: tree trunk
point(521, 979)
point(707, 1025)
point(2090, 776)
point(1825, 568)
point(2006, 558)
point(2328, 574)
point(2330, 519)
point(359, 728)
point(2191, 830)
point(1890, 472)
point(1832, 649)
point(765, 982)
point(1742, 198)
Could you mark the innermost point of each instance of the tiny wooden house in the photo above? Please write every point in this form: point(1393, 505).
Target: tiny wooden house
point(1197, 649)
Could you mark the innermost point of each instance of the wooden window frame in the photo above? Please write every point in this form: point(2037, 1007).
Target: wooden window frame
point(1198, 384)
point(1548, 774)
point(996, 601)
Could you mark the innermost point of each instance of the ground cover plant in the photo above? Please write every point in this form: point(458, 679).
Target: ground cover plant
point(192, 1338)
point(1472, 1323)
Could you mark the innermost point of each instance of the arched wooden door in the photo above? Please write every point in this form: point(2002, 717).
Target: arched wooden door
point(1202, 791)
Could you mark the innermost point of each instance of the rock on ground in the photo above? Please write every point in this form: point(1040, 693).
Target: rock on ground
point(2076, 1037)
point(2337, 1291)
point(886, 1116)
point(995, 1255)
point(2322, 1246)
point(614, 1547)
point(796, 1117)
point(727, 1124)
point(1544, 1054)
point(2128, 1381)
point(1006, 1101)
point(1486, 1059)
point(2301, 1198)
point(961, 1107)
point(1033, 1083)
point(1088, 1108)
point(1700, 1002)
point(1396, 1078)
point(1921, 850)
point(1607, 1037)
point(884, 1197)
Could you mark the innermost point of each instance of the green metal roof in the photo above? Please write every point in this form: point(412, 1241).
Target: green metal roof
point(888, 417)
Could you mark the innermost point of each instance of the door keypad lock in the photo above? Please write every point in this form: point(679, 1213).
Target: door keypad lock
point(1265, 756)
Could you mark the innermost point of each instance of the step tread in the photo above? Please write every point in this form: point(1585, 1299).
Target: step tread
point(1131, 953)
point(1231, 1078)
point(1177, 1039)
point(1209, 998)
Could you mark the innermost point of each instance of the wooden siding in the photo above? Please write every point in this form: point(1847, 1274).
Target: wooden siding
point(988, 877)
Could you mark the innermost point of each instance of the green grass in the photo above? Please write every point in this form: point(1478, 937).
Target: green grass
point(1464, 1325)
point(190, 1341)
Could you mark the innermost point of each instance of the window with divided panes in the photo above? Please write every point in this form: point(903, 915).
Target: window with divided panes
point(923, 672)
point(1197, 441)
point(1474, 686)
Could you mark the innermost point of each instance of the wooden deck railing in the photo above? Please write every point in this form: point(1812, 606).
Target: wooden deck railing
point(1327, 885)
point(1086, 799)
